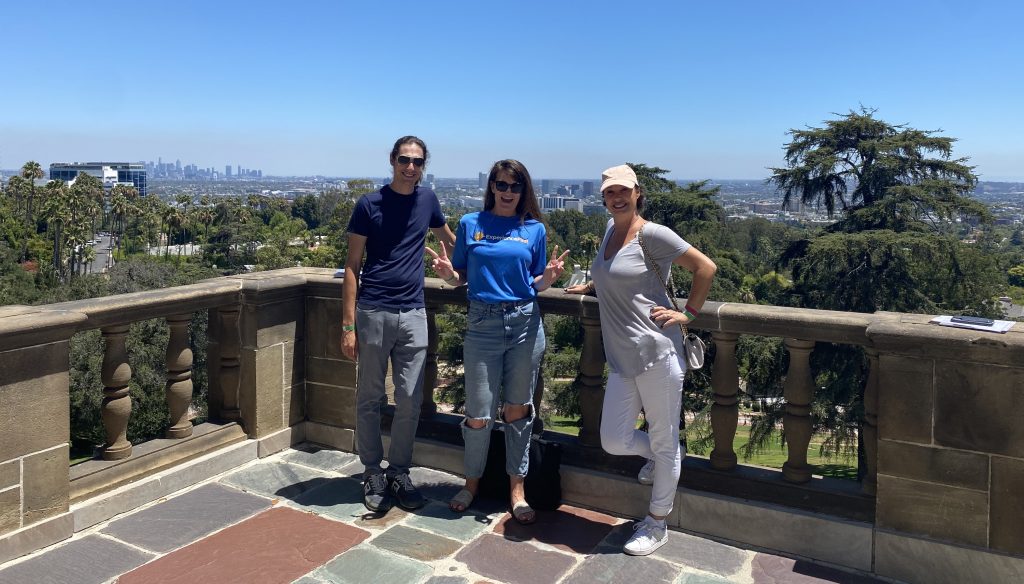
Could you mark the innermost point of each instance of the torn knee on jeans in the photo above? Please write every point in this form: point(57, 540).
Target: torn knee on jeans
point(515, 412)
point(476, 423)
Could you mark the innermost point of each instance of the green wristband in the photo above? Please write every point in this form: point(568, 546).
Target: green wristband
point(348, 327)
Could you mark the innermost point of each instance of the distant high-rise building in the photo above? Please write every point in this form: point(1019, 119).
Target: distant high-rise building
point(227, 171)
point(111, 173)
point(588, 188)
point(550, 203)
point(545, 186)
point(482, 180)
point(572, 204)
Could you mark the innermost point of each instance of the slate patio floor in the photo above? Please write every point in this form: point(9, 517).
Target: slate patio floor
point(297, 517)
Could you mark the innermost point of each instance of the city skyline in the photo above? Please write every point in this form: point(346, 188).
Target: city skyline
point(569, 89)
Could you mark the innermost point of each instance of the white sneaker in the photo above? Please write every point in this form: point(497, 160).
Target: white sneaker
point(648, 537)
point(646, 474)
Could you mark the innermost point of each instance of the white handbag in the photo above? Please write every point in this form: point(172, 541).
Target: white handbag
point(693, 346)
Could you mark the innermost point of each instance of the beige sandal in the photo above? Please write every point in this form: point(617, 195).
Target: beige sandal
point(461, 501)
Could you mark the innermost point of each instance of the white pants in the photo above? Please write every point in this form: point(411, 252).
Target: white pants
point(659, 391)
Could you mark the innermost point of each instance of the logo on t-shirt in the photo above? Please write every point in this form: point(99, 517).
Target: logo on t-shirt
point(495, 238)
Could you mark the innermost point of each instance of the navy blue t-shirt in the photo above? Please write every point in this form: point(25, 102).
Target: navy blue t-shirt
point(394, 226)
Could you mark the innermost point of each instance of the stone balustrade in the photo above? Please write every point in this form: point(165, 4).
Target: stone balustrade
point(944, 452)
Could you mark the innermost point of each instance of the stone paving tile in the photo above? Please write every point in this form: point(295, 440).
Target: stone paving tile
point(434, 484)
point(276, 546)
point(447, 580)
point(693, 578)
point(277, 480)
point(342, 499)
point(321, 458)
point(416, 544)
point(185, 518)
point(92, 559)
point(767, 569)
point(438, 518)
point(685, 550)
point(308, 580)
point(613, 568)
point(569, 528)
point(493, 556)
point(366, 564)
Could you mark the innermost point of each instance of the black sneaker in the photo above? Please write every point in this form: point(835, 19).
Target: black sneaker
point(405, 492)
point(375, 493)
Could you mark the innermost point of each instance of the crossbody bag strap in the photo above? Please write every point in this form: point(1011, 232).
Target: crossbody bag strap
point(648, 258)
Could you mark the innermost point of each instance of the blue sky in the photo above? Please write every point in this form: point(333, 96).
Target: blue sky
point(705, 89)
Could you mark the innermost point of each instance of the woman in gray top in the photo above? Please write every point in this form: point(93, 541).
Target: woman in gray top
point(643, 343)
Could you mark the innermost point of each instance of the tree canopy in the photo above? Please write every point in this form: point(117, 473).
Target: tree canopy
point(883, 176)
point(903, 198)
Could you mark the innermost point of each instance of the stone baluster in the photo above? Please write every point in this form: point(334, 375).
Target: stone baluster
point(117, 404)
point(725, 410)
point(798, 391)
point(230, 349)
point(870, 428)
point(428, 406)
point(179, 376)
point(590, 381)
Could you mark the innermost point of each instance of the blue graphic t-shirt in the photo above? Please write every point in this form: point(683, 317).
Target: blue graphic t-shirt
point(501, 255)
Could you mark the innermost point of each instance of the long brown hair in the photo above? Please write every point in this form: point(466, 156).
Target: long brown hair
point(528, 207)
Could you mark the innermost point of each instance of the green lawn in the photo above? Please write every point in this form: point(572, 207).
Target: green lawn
point(772, 457)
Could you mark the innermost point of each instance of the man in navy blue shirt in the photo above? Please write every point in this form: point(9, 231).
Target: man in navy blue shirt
point(383, 317)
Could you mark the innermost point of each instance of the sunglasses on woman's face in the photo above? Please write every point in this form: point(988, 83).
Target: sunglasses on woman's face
point(405, 160)
point(503, 186)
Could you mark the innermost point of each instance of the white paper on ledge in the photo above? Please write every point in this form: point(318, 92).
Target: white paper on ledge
point(998, 326)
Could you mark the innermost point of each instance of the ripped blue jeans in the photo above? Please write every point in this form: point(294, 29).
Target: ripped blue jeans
point(502, 353)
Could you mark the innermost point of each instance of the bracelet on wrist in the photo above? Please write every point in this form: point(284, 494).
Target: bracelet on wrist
point(348, 328)
point(690, 312)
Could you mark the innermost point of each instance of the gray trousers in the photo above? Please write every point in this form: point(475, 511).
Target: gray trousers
point(401, 336)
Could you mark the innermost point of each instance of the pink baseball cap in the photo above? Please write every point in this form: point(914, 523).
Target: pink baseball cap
point(618, 175)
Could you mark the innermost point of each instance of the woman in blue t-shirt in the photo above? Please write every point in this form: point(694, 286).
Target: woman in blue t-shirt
point(500, 253)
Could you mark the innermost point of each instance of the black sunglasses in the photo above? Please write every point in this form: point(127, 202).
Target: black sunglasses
point(405, 160)
point(503, 186)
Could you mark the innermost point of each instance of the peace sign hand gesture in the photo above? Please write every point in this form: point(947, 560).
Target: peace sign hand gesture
point(441, 264)
point(554, 269)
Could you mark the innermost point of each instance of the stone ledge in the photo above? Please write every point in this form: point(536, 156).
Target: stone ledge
point(923, 561)
point(812, 536)
point(332, 436)
point(36, 536)
point(96, 476)
point(280, 440)
point(129, 497)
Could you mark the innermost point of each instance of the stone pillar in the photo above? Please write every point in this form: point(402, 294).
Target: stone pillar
point(870, 427)
point(429, 406)
point(271, 324)
point(179, 376)
point(229, 363)
point(725, 410)
point(117, 404)
point(798, 391)
point(590, 380)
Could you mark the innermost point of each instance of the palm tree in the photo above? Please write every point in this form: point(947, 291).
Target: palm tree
point(30, 172)
point(122, 203)
point(85, 202)
point(56, 211)
point(174, 218)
